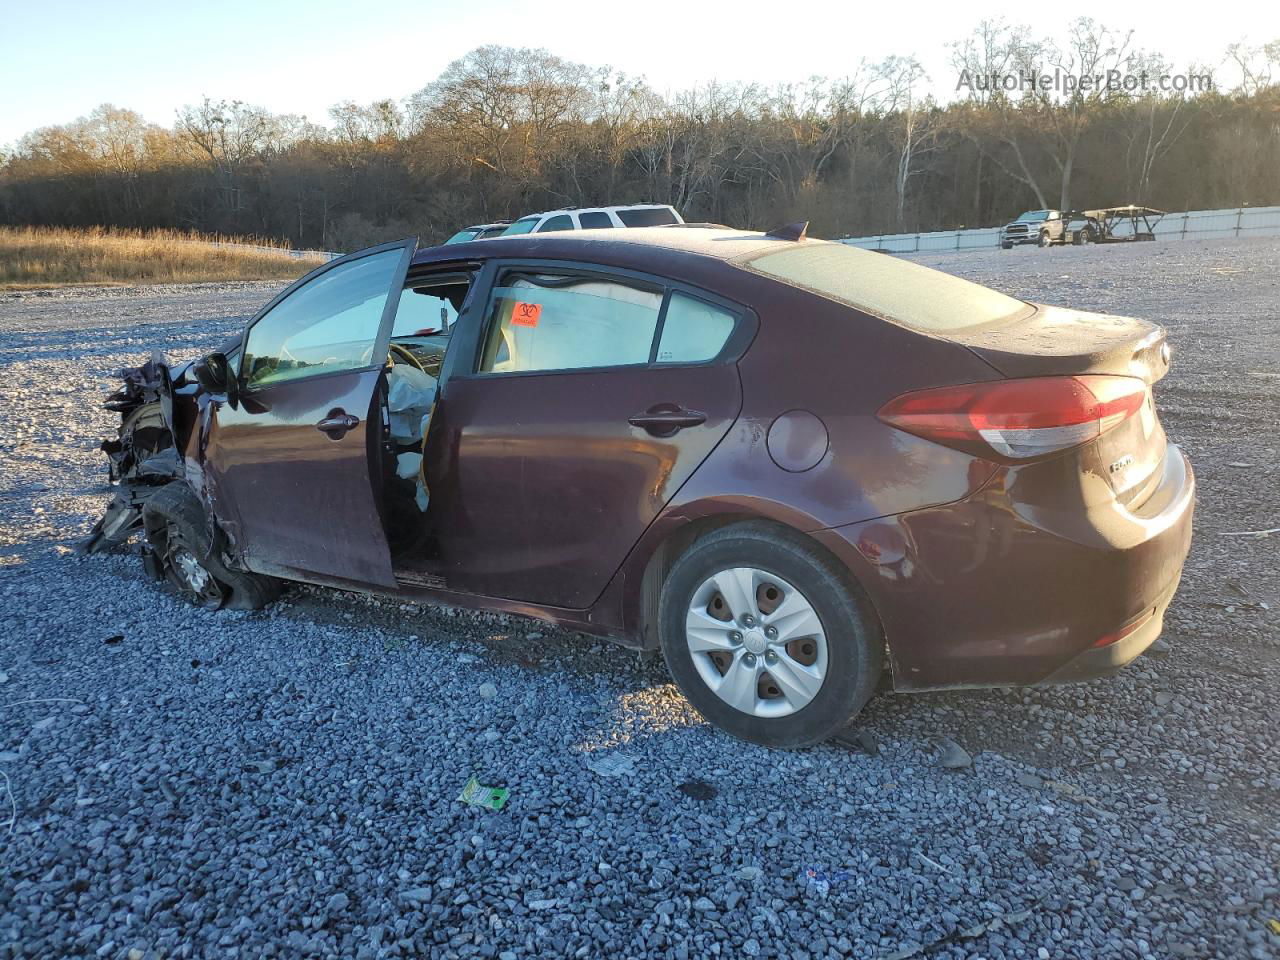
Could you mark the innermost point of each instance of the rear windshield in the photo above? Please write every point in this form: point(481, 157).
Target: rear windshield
point(652, 217)
point(886, 287)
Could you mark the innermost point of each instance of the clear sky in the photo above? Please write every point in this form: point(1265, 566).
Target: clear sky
point(61, 58)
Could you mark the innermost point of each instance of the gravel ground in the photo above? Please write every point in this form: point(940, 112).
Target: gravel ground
point(285, 783)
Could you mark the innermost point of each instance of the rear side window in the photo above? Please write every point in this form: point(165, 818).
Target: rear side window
point(651, 217)
point(562, 222)
point(547, 322)
point(693, 330)
point(887, 287)
point(595, 220)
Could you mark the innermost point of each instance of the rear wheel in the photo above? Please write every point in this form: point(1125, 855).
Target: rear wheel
point(767, 638)
point(189, 559)
point(1006, 246)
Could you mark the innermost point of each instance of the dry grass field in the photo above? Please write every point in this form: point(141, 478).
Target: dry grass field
point(35, 257)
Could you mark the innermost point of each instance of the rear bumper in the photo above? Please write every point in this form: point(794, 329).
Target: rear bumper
point(1002, 589)
point(1105, 661)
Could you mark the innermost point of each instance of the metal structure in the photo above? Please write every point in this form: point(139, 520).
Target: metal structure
point(1191, 225)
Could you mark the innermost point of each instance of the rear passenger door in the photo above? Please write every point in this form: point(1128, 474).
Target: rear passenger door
point(587, 400)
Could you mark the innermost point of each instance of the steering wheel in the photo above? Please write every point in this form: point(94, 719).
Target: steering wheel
point(405, 354)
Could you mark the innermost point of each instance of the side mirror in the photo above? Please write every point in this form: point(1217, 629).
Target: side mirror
point(214, 373)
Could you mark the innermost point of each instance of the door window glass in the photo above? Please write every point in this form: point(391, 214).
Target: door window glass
point(693, 330)
point(562, 222)
point(561, 323)
point(595, 220)
point(328, 324)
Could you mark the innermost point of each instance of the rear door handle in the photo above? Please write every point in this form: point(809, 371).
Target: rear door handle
point(665, 419)
point(337, 423)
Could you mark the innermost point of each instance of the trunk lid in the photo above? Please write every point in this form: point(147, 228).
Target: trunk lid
point(1058, 341)
point(1055, 340)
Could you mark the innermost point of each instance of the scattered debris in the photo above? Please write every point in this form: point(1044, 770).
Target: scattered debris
point(612, 765)
point(477, 795)
point(488, 691)
point(1029, 780)
point(818, 881)
point(697, 789)
point(1164, 698)
point(114, 639)
point(1251, 533)
point(930, 862)
point(1159, 648)
point(1273, 925)
point(954, 756)
point(749, 874)
point(864, 740)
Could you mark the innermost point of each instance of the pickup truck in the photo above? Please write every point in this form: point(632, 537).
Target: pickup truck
point(1041, 227)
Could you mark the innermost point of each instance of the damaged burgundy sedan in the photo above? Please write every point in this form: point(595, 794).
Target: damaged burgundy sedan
point(777, 459)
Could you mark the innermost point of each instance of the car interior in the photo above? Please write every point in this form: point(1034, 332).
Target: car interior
point(404, 402)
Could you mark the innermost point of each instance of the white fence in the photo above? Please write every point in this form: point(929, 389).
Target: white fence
point(1194, 224)
point(323, 255)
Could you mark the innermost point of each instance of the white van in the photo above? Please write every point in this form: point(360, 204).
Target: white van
point(596, 218)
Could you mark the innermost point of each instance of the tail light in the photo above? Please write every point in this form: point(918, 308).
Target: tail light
point(1018, 420)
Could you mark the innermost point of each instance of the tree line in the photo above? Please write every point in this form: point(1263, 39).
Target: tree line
point(504, 132)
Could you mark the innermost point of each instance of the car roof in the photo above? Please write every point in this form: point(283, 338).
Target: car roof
point(617, 245)
point(612, 206)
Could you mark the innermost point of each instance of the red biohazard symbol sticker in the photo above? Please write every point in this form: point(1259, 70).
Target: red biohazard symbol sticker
point(526, 314)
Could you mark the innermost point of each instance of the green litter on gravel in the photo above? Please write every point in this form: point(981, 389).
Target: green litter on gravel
point(478, 795)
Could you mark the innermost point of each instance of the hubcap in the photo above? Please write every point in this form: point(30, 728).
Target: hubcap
point(756, 642)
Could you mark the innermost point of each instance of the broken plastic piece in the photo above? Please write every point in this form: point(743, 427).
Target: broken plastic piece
point(612, 765)
point(477, 795)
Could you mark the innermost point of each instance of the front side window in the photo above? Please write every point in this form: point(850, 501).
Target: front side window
point(595, 220)
point(561, 222)
point(546, 322)
point(523, 225)
point(647, 217)
point(693, 330)
point(330, 323)
point(462, 236)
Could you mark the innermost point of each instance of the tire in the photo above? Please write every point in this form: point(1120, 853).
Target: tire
point(1044, 239)
point(188, 550)
point(846, 649)
point(1006, 246)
